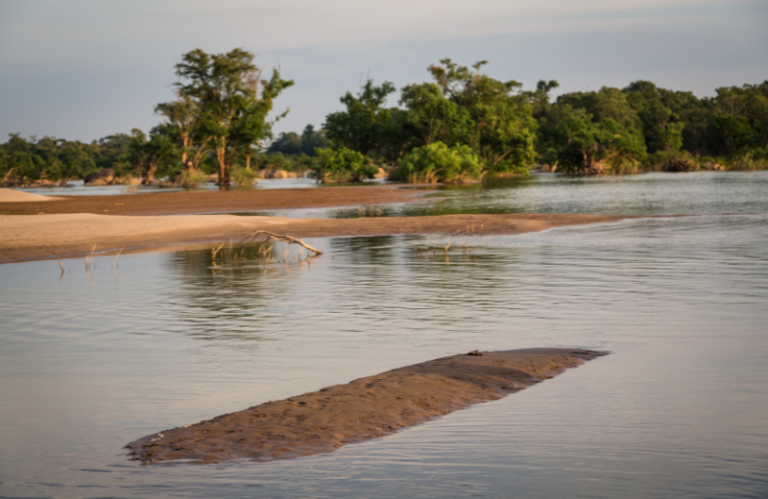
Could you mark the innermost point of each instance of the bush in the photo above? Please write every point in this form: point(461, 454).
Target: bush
point(673, 161)
point(244, 177)
point(439, 163)
point(627, 167)
point(190, 178)
point(342, 165)
point(752, 160)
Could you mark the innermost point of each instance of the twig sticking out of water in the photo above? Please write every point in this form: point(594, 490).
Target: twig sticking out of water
point(89, 259)
point(214, 251)
point(284, 238)
point(116, 257)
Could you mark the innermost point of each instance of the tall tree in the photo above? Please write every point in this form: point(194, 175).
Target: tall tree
point(433, 116)
point(184, 118)
point(501, 127)
point(251, 128)
point(232, 113)
point(662, 128)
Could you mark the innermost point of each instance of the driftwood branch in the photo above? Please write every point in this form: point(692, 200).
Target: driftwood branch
point(277, 237)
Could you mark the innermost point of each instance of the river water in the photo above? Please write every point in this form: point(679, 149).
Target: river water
point(91, 361)
point(78, 188)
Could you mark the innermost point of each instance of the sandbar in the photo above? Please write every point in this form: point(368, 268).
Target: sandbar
point(366, 408)
point(25, 237)
point(189, 202)
point(14, 196)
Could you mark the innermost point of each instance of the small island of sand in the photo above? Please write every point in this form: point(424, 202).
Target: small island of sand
point(362, 409)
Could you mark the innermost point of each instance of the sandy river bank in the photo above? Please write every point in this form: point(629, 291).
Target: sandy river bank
point(363, 409)
point(24, 237)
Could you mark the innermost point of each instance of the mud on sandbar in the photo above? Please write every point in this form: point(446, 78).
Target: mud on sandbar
point(363, 409)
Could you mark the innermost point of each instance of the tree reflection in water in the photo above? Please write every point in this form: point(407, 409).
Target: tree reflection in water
point(231, 293)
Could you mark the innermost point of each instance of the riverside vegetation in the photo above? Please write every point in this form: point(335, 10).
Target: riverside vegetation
point(460, 126)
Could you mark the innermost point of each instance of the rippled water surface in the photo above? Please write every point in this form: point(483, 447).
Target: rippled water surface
point(647, 194)
point(91, 362)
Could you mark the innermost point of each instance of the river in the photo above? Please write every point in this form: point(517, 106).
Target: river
point(92, 360)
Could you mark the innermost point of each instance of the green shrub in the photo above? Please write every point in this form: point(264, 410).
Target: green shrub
point(752, 160)
point(342, 165)
point(673, 161)
point(190, 178)
point(244, 177)
point(626, 166)
point(439, 163)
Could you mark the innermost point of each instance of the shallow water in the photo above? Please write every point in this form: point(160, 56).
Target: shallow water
point(91, 362)
point(78, 188)
point(646, 194)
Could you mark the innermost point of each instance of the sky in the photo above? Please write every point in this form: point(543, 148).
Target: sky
point(84, 69)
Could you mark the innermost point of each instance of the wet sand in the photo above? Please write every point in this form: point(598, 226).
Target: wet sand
point(24, 237)
point(179, 203)
point(366, 408)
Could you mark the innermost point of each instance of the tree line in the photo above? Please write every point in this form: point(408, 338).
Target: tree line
point(460, 125)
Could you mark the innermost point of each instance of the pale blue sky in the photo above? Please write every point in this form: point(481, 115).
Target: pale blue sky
point(85, 69)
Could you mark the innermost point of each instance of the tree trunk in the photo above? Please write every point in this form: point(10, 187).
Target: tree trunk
point(221, 156)
point(149, 174)
point(185, 161)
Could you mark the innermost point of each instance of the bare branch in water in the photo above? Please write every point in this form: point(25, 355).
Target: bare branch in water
point(284, 238)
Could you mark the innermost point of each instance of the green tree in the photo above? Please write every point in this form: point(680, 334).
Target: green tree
point(397, 134)
point(312, 140)
point(539, 99)
point(75, 161)
point(184, 125)
point(606, 103)
point(661, 126)
point(286, 143)
point(740, 121)
point(588, 147)
point(21, 160)
point(251, 130)
point(498, 121)
point(292, 143)
point(358, 128)
point(152, 154)
point(729, 135)
point(114, 151)
point(225, 88)
point(432, 116)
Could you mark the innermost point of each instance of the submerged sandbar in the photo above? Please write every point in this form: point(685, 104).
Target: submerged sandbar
point(362, 409)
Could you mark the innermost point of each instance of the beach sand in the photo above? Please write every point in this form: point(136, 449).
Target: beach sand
point(24, 237)
point(366, 408)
